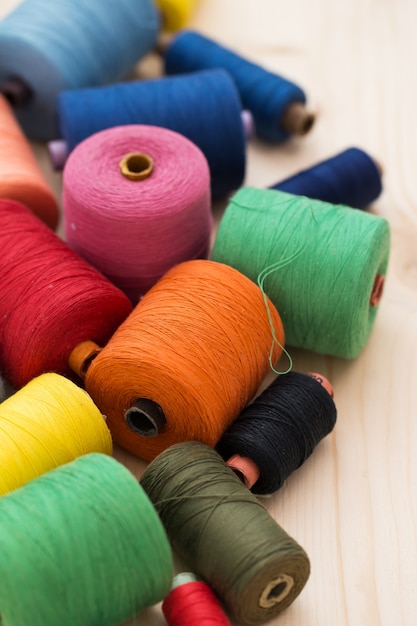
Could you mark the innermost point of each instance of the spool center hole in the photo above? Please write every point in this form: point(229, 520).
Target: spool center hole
point(277, 591)
point(138, 163)
point(145, 417)
point(136, 166)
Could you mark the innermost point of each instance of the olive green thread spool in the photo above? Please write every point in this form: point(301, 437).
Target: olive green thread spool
point(224, 533)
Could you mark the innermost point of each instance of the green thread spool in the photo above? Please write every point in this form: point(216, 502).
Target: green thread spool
point(224, 533)
point(81, 545)
point(322, 265)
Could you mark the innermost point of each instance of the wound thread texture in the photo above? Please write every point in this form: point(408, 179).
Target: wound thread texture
point(52, 47)
point(134, 231)
point(203, 106)
point(224, 534)
point(265, 94)
point(192, 602)
point(81, 545)
point(321, 263)
point(281, 428)
point(47, 423)
point(197, 345)
point(21, 178)
point(351, 178)
point(51, 299)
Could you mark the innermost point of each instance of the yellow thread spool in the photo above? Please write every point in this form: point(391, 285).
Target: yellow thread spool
point(49, 422)
point(175, 13)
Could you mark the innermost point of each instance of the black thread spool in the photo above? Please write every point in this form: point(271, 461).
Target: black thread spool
point(273, 436)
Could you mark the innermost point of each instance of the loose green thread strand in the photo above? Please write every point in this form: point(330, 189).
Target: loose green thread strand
point(323, 295)
point(262, 276)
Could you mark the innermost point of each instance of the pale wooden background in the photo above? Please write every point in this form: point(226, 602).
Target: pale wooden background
point(353, 505)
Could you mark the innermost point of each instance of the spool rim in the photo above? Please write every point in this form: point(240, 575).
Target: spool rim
point(136, 166)
point(82, 356)
point(283, 583)
point(323, 381)
point(377, 290)
point(297, 119)
point(145, 417)
point(16, 91)
point(245, 469)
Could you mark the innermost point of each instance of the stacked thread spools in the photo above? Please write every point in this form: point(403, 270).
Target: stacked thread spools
point(170, 336)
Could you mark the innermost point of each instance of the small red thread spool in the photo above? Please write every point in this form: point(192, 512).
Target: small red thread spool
point(192, 602)
point(53, 303)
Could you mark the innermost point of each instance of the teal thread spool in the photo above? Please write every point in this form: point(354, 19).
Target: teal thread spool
point(322, 265)
point(224, 533)
point(81, 545)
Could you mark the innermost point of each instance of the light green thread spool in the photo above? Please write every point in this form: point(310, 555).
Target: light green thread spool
point(328, 293)
point(224, 534)
point(81, 545)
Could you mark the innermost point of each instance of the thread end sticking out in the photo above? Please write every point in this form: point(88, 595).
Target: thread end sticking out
point(145, 417)
point(245, 469)
point(16, 92)
point(377, 290)
point(297, 119)
point(81, 357)
point(136, 166)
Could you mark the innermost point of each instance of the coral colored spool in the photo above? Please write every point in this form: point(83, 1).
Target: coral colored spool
point(51, 299)
point(188, 358)
point(192, 602)
point(21, 179)
point(136, 202)
point(49, 422)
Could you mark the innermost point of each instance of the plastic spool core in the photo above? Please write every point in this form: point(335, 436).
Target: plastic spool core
point(245, 469)
point(145, 417)
point(16, 92)
point(81, 357)
point(297, 120)
point(377, 290)
point(136, 166)
point(276, 591)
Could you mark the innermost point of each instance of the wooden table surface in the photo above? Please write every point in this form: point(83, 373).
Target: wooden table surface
point(353, 504)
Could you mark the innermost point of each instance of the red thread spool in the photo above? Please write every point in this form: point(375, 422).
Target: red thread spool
point(51, 300)
point(193, 603)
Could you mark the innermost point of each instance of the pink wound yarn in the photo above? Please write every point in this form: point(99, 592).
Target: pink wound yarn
point(133, 231)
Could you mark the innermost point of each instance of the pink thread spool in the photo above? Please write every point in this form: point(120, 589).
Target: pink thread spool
point(136, 202)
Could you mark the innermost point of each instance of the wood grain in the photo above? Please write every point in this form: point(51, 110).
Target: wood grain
point(353, 505)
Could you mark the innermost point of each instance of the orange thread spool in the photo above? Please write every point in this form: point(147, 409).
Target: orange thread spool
point(187, 360)
point(21, 178)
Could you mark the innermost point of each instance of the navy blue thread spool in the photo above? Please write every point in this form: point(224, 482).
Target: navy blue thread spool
point(204, 106)
point(277, 104)
point(279, 430)
point(351, 178)
point(46, 47)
